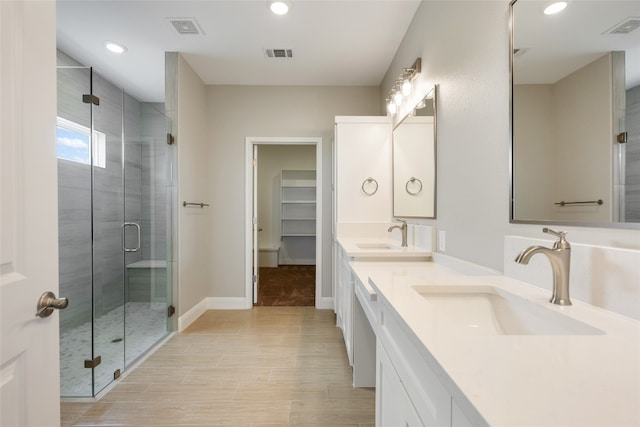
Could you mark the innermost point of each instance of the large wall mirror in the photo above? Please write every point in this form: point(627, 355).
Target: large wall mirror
point(575, 155)
point(414, 161)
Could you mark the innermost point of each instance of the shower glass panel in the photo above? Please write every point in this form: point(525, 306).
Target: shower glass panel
point(75, 229)
point(115, 191)
point(108, 222)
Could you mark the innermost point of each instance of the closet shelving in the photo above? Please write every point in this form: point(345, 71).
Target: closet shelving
point(298, 203)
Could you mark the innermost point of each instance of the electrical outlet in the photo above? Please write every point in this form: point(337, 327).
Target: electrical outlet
point(442, 241)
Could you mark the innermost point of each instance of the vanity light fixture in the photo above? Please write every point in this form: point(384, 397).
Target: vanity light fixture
point(403, 86)
point(115, 47)
point(279, 7)
point(555, 7)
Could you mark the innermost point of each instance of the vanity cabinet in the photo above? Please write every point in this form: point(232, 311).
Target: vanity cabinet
point(355, 315)
point(416, 395)
point(344, 299)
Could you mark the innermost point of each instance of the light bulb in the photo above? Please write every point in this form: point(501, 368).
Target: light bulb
point(391, 108)
point(279, 7)
point(406, 88)
point(397, 98)
point(554, 8)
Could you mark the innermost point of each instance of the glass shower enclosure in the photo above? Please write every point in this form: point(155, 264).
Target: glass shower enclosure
point(114, 193)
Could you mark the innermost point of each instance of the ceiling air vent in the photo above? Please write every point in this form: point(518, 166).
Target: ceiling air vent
point(186, 26)
point(625, 27)
point(278, 53)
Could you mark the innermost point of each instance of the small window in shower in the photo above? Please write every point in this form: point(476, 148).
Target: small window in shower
point(73, 141)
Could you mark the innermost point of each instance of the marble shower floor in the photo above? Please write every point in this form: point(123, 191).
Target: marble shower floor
point(119, 339)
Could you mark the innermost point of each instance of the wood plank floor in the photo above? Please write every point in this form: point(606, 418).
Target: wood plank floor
point(265, 367)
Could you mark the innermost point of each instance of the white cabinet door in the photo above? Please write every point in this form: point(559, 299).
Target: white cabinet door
point(29, 348)
point(347, 306)
point(393, 406)
point(458, 418)
point(363, 151)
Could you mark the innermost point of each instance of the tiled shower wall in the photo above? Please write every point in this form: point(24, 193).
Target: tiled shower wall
point(632, 185)
point(142, 179)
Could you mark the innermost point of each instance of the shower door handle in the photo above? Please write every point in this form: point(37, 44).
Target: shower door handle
point(124, 246)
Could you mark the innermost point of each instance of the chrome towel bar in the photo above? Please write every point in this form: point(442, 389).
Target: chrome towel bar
point(588, 202)
point(201, 204)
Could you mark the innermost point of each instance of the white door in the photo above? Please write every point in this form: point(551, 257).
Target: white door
point(255, 228)
point(29, 359)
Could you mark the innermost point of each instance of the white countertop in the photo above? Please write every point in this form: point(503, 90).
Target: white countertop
point(367, 248)
point(522, 380)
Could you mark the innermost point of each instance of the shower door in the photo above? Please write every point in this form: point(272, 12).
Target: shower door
point(147, 169)
point(114, 222)
point(108, 199)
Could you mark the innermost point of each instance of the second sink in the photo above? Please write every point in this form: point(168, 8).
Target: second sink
point(370, 245)
point(492, 310)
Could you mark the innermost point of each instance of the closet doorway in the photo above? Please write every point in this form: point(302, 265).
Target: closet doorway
point(283, 205)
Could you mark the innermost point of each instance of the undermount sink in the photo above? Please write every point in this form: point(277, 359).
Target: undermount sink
point(374, 246)
point(493, 311)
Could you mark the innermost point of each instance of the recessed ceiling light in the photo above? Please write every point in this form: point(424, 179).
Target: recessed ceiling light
point(555, 7)
point(279, 7)
point(115, 47)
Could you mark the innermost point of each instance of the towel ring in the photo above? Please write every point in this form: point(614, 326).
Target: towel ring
point(413, 180)
point(369, 181)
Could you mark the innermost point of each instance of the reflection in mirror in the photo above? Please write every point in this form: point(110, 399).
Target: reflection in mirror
point(576, 92)
point(414, 161)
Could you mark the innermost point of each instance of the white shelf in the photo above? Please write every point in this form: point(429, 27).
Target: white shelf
point(298, 203)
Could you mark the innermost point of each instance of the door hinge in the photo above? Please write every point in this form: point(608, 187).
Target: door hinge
point(116, 374)
point(170, 139)
point(622, 138)
point(254, 278)
point(92, 363)
point(91, 99)
point(171, 310)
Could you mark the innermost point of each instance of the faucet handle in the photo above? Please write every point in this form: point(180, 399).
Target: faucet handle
point(562, 243)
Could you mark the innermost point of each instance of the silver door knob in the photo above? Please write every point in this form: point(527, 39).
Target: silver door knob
point(48, 302)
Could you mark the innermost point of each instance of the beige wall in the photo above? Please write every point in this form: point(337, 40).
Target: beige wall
point(535, 136)
point(551, 130)
point(470, 62)
point(186, 107)
point(583, 148)
point(236, 112)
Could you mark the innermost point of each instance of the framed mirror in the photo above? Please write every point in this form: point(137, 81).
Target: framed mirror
point(575, 154)
point(414, 161)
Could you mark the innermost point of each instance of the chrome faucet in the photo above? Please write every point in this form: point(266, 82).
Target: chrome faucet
point(559, 256)
point(403, 230)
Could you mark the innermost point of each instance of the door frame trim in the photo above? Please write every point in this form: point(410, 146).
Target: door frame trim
point(250, 142)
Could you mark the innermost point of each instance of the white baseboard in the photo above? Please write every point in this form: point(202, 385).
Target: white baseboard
point(190, 316)
point(325, 303)
point(228, 303)
point(231, 303)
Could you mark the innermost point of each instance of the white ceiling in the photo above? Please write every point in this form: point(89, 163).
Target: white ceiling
point(335, 42)
point(555, 46)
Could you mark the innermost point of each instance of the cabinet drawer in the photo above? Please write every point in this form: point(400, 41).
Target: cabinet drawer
point(368, 303)
point(429, 397)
